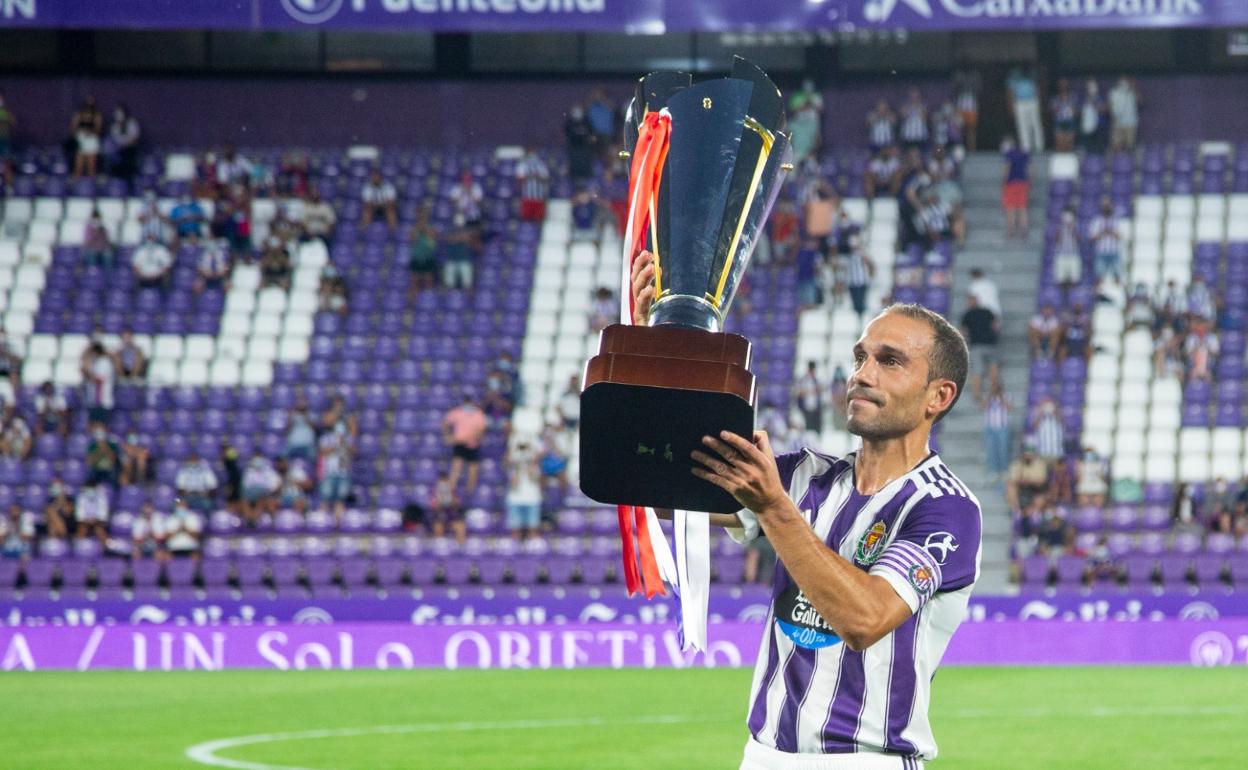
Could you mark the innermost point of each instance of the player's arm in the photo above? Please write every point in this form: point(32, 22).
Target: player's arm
point(860, 607)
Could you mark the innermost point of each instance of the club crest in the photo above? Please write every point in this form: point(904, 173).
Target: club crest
point(871, 544)
point(923, 581)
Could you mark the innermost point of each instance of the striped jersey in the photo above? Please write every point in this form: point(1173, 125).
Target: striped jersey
point(1105, 234)
point(813, 695)
point(881, 128)
point(913, 122)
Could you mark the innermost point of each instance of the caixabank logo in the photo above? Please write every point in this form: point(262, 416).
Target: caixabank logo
point(881, 11)
point(312, 11)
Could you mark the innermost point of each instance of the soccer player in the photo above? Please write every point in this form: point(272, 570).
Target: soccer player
point(878, 553)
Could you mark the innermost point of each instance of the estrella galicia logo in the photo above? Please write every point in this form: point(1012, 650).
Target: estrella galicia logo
point(797, 619)
point(312, 11)
point(871, 544)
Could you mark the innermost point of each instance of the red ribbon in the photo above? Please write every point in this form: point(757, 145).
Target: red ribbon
point(645, 176)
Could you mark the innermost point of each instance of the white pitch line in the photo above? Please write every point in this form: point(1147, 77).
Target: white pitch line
point(206, 753)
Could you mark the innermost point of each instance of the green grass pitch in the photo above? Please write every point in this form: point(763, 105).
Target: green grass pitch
point(1085, 718)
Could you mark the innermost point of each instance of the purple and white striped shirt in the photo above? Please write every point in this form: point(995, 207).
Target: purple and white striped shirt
point(921, 533)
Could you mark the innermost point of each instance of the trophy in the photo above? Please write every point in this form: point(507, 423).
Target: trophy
point(652, 392)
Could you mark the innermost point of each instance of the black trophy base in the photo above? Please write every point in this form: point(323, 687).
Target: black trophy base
point(636, 442)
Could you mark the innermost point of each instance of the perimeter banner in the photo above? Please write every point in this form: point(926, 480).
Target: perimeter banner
point(640, 16)
point(388, 645)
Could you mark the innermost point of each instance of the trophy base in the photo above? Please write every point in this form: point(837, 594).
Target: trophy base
point(650, 395)
point(636, 442)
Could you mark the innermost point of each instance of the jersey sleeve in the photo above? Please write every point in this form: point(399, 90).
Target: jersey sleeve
point(750, 530)
point(936, 550)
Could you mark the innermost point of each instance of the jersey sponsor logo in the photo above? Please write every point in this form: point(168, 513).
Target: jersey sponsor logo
point(923, 581)
point(871, 544)
point(798, 619)
point(312, 11)
point(941, 544)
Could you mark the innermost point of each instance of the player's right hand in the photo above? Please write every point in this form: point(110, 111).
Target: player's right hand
point(643, 287)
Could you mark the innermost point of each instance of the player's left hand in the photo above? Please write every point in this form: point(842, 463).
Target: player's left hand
point(745, 470)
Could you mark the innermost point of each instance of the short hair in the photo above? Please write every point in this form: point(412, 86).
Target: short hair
point(949, 358)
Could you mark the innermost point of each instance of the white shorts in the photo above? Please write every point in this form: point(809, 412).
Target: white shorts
point(1068, 268)
point(760, 757)
point(88, 143)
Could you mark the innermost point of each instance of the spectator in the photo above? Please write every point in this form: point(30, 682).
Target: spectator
point(422, 259)
point(300, 433)
point(809, 392)
point(1200, 302)
point(966, 87)
point(445, 508)
point(236, 226)
point(554, 457)
point(1092, 119)
point(183, 531)
point(914, 183)
point(1027, 479)
point(1050, 434)
point(860, 271)
point(1168, 354)
point(52, 410)
point(881, 126)
point(317, 219)
point(949, 192)
point(188, 220)
point(1124, 111)
point(153, 225)
point(135, 456)
point(86, 127)
point(1171, 306)
point(334, 455)
point(103, 457)
point(579, 136)
point(275, 267)
point(333, 294)
point(808, 261)
point(213, 268)
point(232, 490)
point(15, 438)
point(152, 264)
point(147, 535)
point(1139, 310)
point(1044, 332)
point(985, 291)
point(982, 329)
point(1016, 189)
point(936, 219)
point(883, 175)
point(585, 218)
point(196, 482)
point(604, 311)
point(997, 431)
point(1076, 339)
point(99, 380)
point(58, 513)
point(533, 176)
point(10, 365)
point(1065, 111)
point(337, 415)
point(837, 390)
point(1025, 103)
point(233, 169)
point(297, 484)
point(462, 249)
point(260, 487)
point(123, 138)
point(1068, 252)
point(466, 199)
point(805, 119)
point(380, 200)
point(1056, 534)
point(1061, 483)
point(1092, 484)
point(784, 230)
point(913, 119)
point(601, 117)
point(91, 510)
point(569, 406)
point(8, 122)
point(1105, 233)
point(17, 534)
point(97, 247)
point(292, 176)
point(820, 215)
point(1030, 519)
point(946, 131)
point(1200, 348)
point(524, 491)
point(462, 429)
point(130, 358)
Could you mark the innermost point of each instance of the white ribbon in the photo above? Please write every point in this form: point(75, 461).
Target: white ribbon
point(693, 563)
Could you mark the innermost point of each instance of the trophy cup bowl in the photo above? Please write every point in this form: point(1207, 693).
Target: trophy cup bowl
point(652, 392)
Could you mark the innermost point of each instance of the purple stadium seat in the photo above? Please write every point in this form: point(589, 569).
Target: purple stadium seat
point(145, 573)
point(180, 573)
